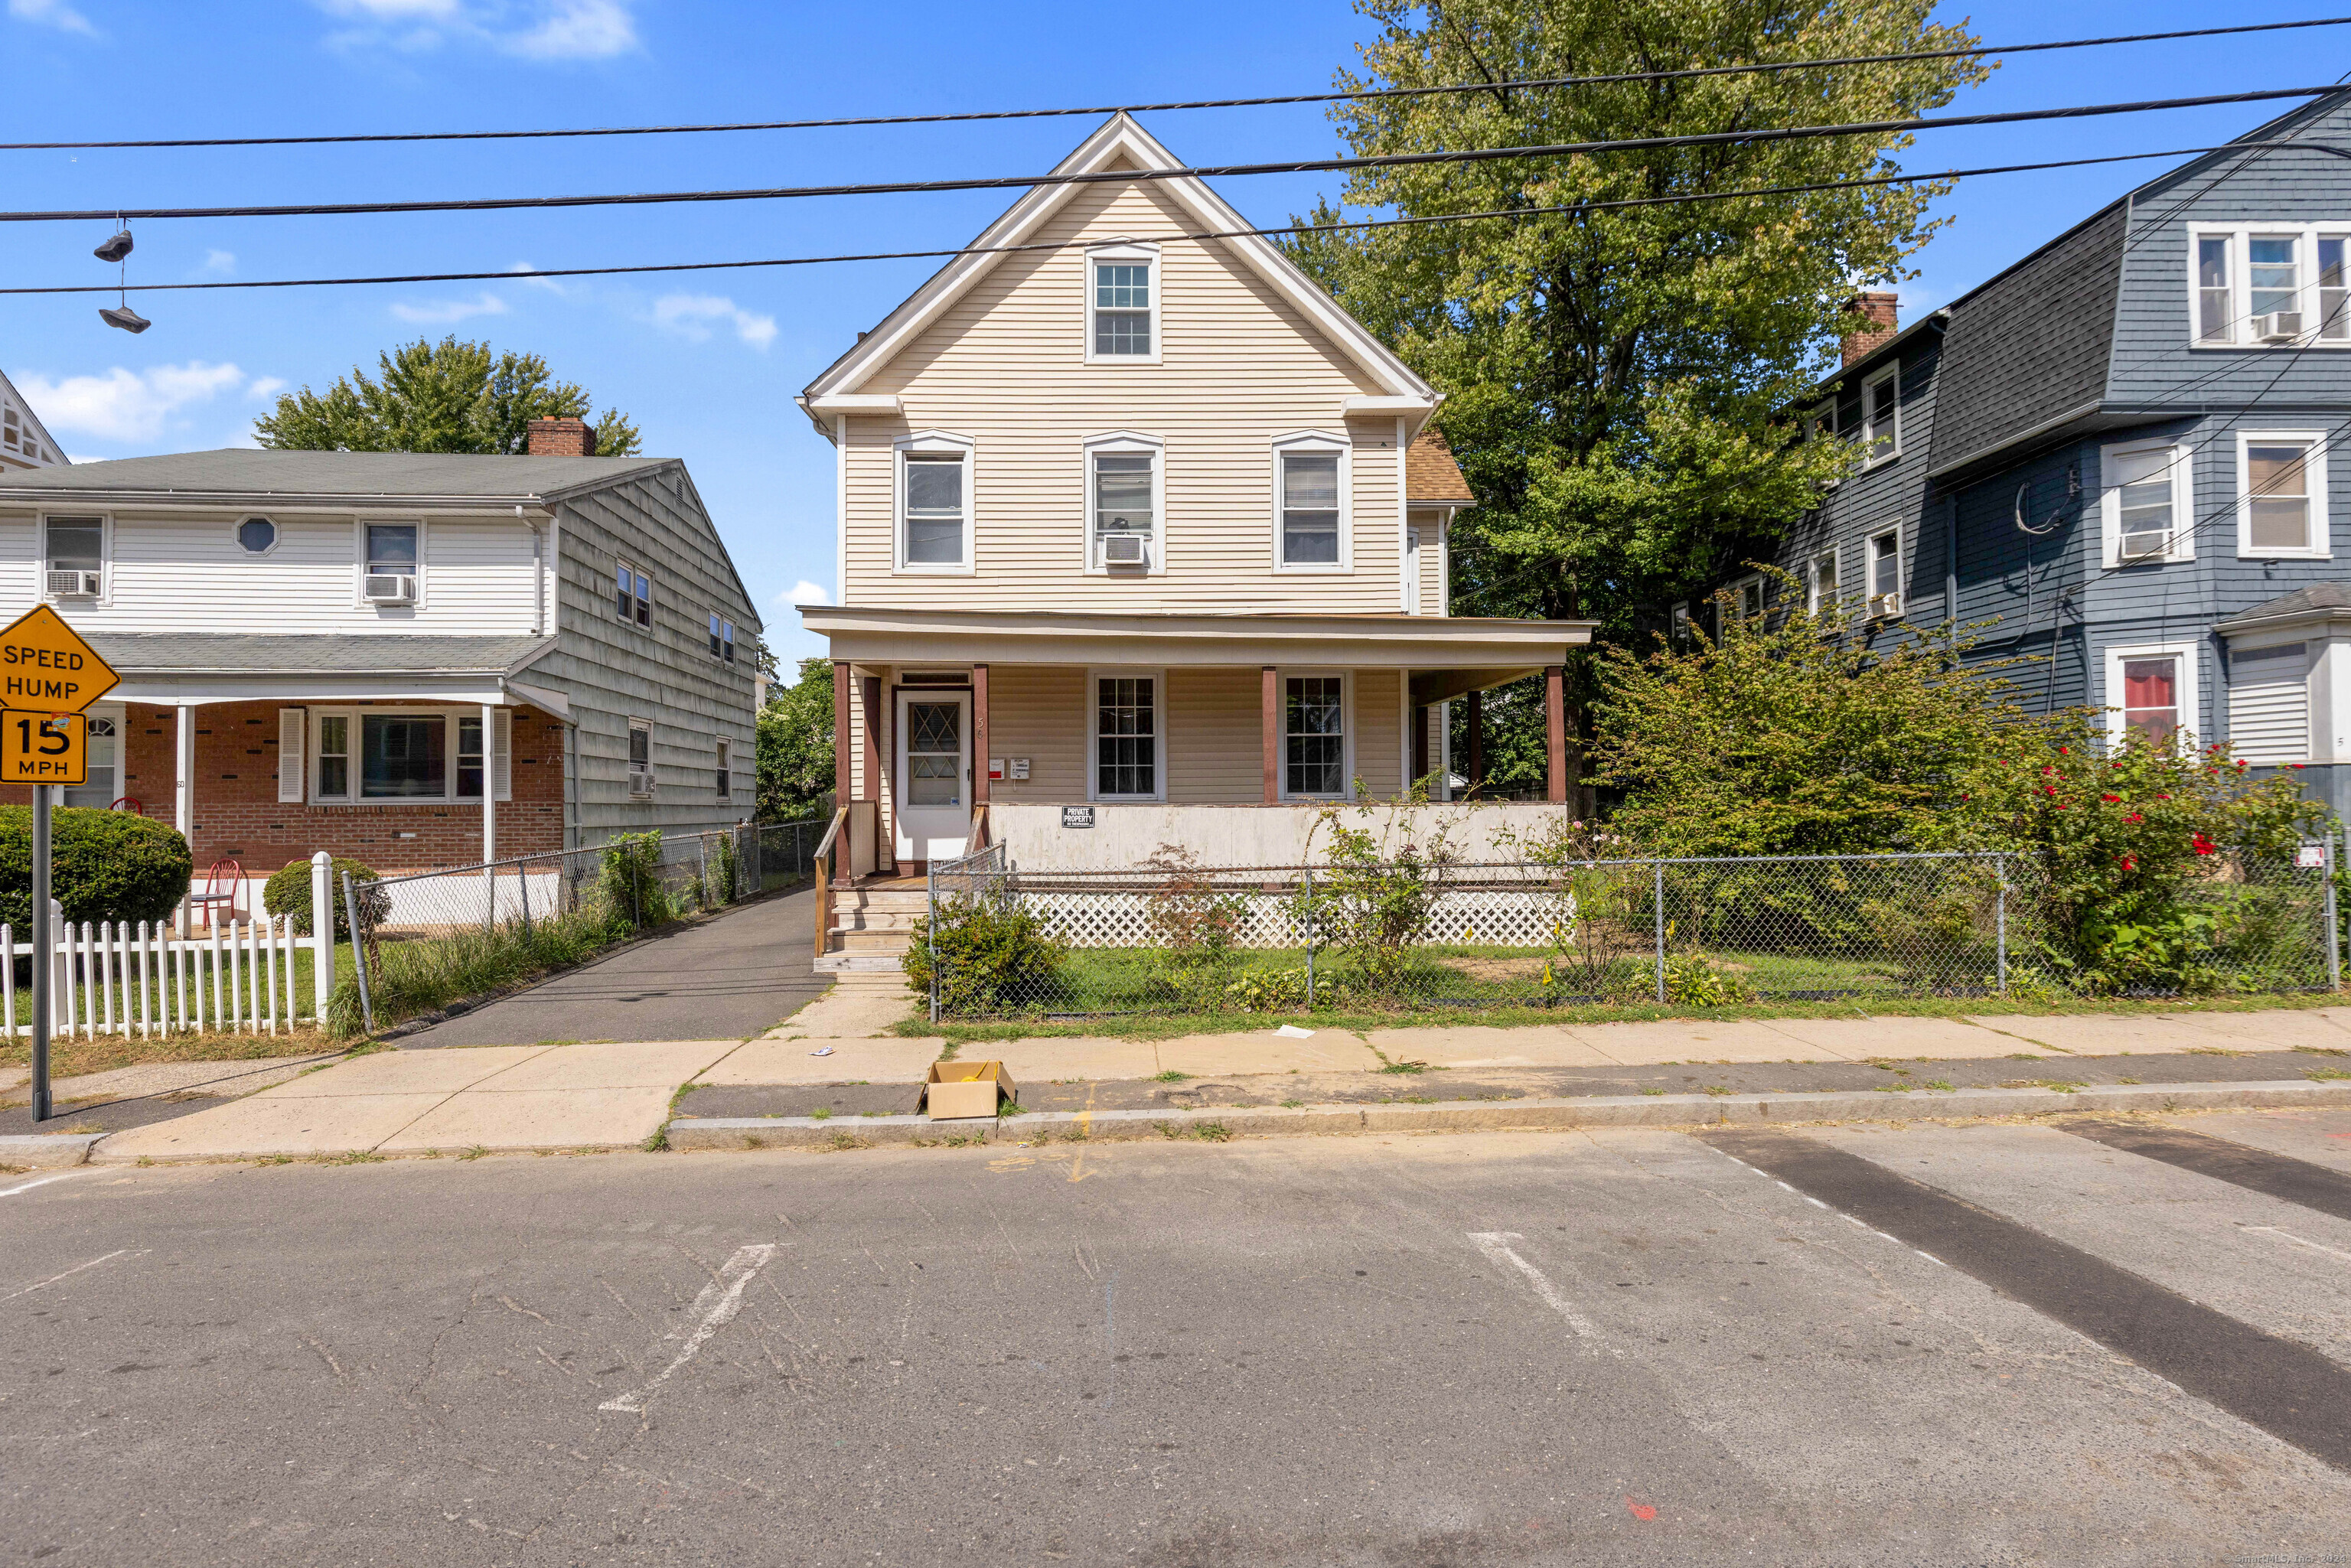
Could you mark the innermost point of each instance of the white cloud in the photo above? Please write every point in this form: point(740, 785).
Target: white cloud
point(222, 262)
point(52, 14)
point(690, 315)
point(549, 284)
point(530, 30)
point(443, 312)
point(126, 406)
point(266, 387)
point(805, 592)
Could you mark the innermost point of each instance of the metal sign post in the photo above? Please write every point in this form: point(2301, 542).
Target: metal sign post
point(43, 959)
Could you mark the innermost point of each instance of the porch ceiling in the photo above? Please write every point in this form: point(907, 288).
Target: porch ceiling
point(1502, 649)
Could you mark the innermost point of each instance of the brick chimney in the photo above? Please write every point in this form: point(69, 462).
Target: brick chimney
point(561, 438)
point(1877, 312)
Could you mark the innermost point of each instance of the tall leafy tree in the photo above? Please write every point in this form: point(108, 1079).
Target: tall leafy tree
point(449, 396)
point(795, 746)
point(1616, 375)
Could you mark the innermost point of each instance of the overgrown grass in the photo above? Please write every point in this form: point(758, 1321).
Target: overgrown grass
point(423, 974)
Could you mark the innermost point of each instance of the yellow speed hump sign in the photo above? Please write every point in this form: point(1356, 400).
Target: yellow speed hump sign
point(44, 748)
point(46, 667)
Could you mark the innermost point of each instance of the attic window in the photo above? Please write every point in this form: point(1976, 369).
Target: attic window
point(1122, 296)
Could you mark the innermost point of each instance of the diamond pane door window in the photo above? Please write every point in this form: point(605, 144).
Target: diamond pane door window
point(2277, 476)
point(1316, 749)
point(2151, 696)
point(935, 754)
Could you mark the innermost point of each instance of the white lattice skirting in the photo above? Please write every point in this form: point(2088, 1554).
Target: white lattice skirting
point(1533, 918)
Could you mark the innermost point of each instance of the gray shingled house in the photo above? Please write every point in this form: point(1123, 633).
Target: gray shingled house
point(2116, 452)
point(415, 659)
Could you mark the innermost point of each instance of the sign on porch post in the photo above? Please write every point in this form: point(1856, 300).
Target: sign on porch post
point(47, 676)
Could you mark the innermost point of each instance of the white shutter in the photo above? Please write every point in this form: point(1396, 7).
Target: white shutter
point(502, 766)
point(290, 755)
point(2269, 704)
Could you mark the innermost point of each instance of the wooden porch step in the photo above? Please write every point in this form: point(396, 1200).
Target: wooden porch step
point(860, 963)
point(854, 941)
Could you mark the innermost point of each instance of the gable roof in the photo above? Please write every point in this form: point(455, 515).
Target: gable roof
point(238, 472)
point(10, 396)
point(1430, 474)
point(1118, 138)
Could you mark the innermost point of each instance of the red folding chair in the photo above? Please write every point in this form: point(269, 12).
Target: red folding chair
point(130, 803)
point(221, 884)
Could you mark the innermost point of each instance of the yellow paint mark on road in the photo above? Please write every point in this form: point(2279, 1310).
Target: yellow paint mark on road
point(1085, 1130)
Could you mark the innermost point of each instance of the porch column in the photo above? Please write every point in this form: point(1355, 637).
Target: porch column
point(1420, 744)
point(841, 758)
point(1269, 719)
point(489, 782)
point(184, 783)
point(870, 695)
point(1477, 774)
point(1555, 732)
point(979, 735)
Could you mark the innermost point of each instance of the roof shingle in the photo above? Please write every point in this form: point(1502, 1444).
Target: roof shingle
point(247, 471)
point(1430, 472)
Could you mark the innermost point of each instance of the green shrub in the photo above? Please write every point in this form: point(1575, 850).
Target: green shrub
point(993, 958)
point(103, 865)
point(1266, 991)
point(287, 891)
point(632, 883)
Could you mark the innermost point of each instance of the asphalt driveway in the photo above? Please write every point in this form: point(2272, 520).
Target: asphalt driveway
point(732, 976)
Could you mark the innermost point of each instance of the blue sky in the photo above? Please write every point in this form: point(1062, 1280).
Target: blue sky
point(707, 364)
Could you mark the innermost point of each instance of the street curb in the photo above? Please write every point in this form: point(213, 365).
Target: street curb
point(1494, 1115)
point(46, 1150)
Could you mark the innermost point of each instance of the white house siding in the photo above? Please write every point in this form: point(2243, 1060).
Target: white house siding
point(1238, 368)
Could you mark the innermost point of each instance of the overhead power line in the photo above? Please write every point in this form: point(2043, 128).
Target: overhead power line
point(1300, 166)
point(1358, 95)
point(526, 273)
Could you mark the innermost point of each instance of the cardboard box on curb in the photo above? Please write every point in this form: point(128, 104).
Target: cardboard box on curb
point(965, 1089)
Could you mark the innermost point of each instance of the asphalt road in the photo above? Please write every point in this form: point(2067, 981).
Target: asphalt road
point(1634, 1346)
point(731, 976)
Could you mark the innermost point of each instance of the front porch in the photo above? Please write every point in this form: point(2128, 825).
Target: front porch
point(1103, 736)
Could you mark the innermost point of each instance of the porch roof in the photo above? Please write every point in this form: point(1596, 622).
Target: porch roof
point(1502, 649)
point(222, 667)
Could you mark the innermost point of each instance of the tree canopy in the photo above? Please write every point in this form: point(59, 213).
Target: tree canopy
point(449, 396)
point(795, 746)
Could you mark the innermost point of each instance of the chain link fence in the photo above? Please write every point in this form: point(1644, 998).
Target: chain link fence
point(1000, 942)
point(432, 938)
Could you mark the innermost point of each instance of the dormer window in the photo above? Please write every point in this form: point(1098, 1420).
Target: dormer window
point(1122, 304)
point(2274, 286)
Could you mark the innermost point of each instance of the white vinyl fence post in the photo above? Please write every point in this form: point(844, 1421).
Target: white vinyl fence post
point(8, 956)
point(322, 933)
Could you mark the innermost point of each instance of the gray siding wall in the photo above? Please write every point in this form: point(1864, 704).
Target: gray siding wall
point(613, 671)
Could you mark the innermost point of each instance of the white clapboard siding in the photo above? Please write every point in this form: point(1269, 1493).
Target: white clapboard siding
point(179, 569)
point(2269, 704)
point(1238, 369)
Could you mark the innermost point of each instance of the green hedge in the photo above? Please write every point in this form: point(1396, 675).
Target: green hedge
point(288, 893)
point(103, 865)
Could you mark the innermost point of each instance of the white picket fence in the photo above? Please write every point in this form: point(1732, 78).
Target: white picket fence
point(116, 978)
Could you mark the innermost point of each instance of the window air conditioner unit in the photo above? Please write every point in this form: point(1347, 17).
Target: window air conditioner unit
point(73, 585)
point(1884, 606)
point(2277, 327)
point(1125, 549)
point(641, 781)
point(391, 588)
point(2144, 546)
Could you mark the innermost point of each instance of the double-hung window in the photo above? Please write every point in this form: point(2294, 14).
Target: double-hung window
point(100, 789)
point(1314, 735)
point(1885, 573)
point(1747, 597)
point(2270, 286)
point(934, 504)
point(74, 553)
point(1122, 304)
point(640, 757)
point(2283, 485)
point(726, 641)
point(1123, 506)
point(415, 755)
point(1310, 489)
point(1881, 415)
point(1126, 737)
point(1820, 583)
point(2146, 504)
point(726, 769)
point(2151, 693)
point(632, 595)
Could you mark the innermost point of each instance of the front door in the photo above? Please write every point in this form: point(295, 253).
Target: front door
point(934, 775)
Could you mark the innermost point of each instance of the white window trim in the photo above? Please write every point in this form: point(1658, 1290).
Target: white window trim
point(2183, 502)
point(360, 562)
point(1737, 586)
point(933, 441)
point(1128, 252)
point(1158, 677)
point(356, 755)
point(2241, 285)
point(277, 536)
point(2314, 470)
point(2190, 704)
point(1820, 598)
point(104, 559)
point(1316, 441)
point(1124, 440)
point(1892, 373)
point(653, 772)
point(1901, 574)
point(117, 715)
point(725, 769)
point(1282, 677)
point(1679, 624)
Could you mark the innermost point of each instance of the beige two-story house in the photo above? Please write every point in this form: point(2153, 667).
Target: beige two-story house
point(1139, 533)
